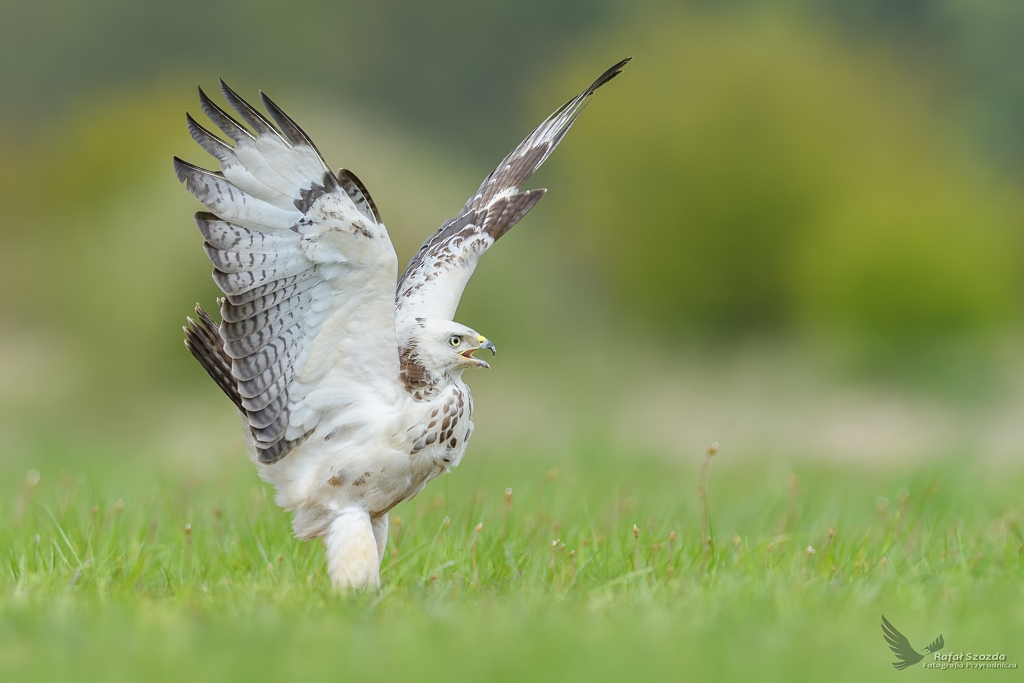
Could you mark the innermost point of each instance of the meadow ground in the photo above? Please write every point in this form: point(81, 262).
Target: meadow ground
point(114, 568)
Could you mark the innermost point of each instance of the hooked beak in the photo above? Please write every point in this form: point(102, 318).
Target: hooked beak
point(482, 343)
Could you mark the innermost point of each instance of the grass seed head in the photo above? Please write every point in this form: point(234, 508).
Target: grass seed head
point(831, 533)
point(188, 529)
point(810, 550)
point(119, 505)
point(712, 449)
point(479, 527)
point(636, 531)
point(508, 495)
point(32, 478)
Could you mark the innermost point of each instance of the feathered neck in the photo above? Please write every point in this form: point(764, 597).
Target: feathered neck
point(422, 382)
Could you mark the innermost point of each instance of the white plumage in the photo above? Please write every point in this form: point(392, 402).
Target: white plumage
point(351, 391)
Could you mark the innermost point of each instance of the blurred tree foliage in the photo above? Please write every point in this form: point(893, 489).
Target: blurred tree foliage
point(748, 176)
point(968, 51)
point(971, 51)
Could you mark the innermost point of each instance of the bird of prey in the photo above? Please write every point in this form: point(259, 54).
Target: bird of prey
point(350, 387)
point(902, 648)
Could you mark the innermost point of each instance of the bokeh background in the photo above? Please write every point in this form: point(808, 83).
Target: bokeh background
point(795, 228)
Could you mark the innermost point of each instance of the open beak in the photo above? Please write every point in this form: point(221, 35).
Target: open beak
point(482, 343)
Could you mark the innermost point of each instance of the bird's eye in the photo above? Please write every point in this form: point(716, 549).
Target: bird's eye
point(455, 340)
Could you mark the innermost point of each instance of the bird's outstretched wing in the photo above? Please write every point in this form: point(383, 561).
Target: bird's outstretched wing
point(437, 275)
point(900, 646)
point(308, 273)
point(936, 644)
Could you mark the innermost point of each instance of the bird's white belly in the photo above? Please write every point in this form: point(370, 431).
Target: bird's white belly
point(373, 464)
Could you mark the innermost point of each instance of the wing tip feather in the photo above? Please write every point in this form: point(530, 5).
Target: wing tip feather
point(232, 128)
point(252, 116)
point(212, 144)
point(182, 169)
point(609, 74)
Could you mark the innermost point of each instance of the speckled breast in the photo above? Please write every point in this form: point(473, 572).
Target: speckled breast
point(449, 427)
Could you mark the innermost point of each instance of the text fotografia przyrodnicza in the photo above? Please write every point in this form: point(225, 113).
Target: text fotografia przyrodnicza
point(969, 660)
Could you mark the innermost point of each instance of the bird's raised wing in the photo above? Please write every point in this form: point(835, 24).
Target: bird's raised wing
point(437, 275)
point(308, 272)
point(936, 644)
point(900, 646)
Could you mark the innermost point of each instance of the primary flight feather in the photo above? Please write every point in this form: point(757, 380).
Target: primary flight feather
point(351, 390)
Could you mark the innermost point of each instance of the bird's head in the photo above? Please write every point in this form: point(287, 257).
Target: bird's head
point(446, 347)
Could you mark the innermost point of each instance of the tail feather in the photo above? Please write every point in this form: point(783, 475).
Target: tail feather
point(203, 340)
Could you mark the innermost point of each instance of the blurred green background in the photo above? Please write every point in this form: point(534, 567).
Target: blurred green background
point(795, 228)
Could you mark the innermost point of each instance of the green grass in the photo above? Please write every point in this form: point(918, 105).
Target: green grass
point(99, 579)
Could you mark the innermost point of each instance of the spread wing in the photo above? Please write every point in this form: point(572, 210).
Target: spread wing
point(437, 275)
point(308, 273)
point(900, 646)
point(936, 644)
